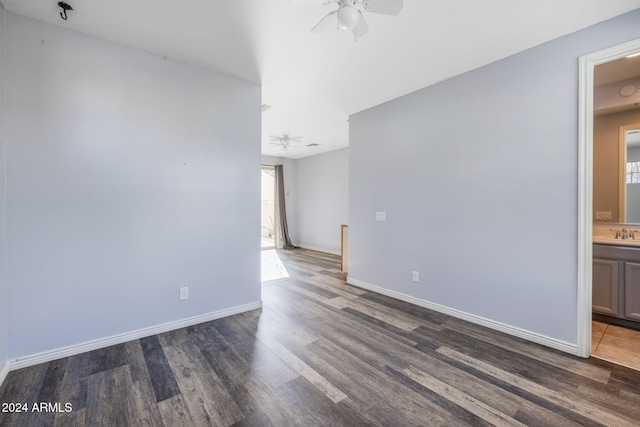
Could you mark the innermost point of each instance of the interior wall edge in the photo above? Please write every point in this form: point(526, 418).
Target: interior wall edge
point(72, 350)
point(475, 319)
point(4, 286)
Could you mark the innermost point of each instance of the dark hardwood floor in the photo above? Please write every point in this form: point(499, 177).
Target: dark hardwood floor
point(322, 352)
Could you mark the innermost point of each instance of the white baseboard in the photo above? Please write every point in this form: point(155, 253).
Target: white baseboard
point(48, 356)
point(326, 251)
point(492, 324)
point(4, 372)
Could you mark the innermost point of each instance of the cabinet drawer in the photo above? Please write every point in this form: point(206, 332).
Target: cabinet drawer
point(617, 252)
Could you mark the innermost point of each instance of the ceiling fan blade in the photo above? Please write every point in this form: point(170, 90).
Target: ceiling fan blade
point(313, 2)
point(361, 27)
point(384, 7)
point(327, 22)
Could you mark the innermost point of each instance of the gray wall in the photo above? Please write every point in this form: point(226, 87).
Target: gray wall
point(128, 177)
point(4, 321)
point(478, 176)
point(323, 184)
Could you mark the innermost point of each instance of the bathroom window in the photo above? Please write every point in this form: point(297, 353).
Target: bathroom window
point(633, 172)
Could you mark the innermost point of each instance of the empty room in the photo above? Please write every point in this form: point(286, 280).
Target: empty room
point(312, 213)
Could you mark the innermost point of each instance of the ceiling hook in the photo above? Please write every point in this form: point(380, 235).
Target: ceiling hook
point(65, 7)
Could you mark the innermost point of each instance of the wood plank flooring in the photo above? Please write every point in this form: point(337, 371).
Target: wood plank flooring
point(324, 353)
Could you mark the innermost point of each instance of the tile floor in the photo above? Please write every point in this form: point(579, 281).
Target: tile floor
point(615, 344)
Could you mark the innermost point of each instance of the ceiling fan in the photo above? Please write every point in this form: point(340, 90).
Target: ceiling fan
point(285, 141)
point(349, 15)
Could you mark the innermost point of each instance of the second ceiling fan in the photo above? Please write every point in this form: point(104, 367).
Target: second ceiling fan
point(285, 141)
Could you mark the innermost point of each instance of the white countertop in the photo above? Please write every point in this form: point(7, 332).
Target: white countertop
point(606, 240)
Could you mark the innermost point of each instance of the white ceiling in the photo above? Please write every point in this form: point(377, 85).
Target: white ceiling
point(315, 81)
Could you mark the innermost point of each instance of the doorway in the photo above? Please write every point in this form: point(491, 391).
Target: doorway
point(272, 267)
point(267, 208)
point(585, 185)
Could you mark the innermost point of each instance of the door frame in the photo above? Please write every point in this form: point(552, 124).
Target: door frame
point(585, 183)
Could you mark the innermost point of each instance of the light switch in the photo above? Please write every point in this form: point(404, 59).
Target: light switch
point(381, 216)
point(604, 215)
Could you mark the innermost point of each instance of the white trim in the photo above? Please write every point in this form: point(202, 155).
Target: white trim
point(585, 184)
point(492, 324)
point(325, 251)
point(48, 356)
point(585, 204)
point(4, 372)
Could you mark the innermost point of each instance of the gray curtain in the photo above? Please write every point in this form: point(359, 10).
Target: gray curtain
point(283, 230)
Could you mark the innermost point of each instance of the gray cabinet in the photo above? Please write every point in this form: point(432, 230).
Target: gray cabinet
point(605, 286)
point(632, 291)
point(616, 281)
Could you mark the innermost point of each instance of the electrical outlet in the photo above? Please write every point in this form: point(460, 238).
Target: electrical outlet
point(381, 216)
point(416, 276)
point(184, 292)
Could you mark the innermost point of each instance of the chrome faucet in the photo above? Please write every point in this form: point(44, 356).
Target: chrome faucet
point(624, 235)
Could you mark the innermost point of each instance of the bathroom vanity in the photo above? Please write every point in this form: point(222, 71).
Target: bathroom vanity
point(616, 279)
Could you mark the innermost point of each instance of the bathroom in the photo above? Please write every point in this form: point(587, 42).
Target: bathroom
point(616, 212)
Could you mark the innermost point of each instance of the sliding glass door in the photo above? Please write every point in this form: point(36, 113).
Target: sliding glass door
point(268, 217)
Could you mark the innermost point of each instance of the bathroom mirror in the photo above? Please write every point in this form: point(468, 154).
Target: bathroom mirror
point(629, 184)
point(616, 141)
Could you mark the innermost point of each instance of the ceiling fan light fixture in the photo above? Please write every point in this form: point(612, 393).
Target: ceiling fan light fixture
point(348, 17)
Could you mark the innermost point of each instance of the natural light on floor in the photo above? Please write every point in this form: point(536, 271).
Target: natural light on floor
point(272, 267)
